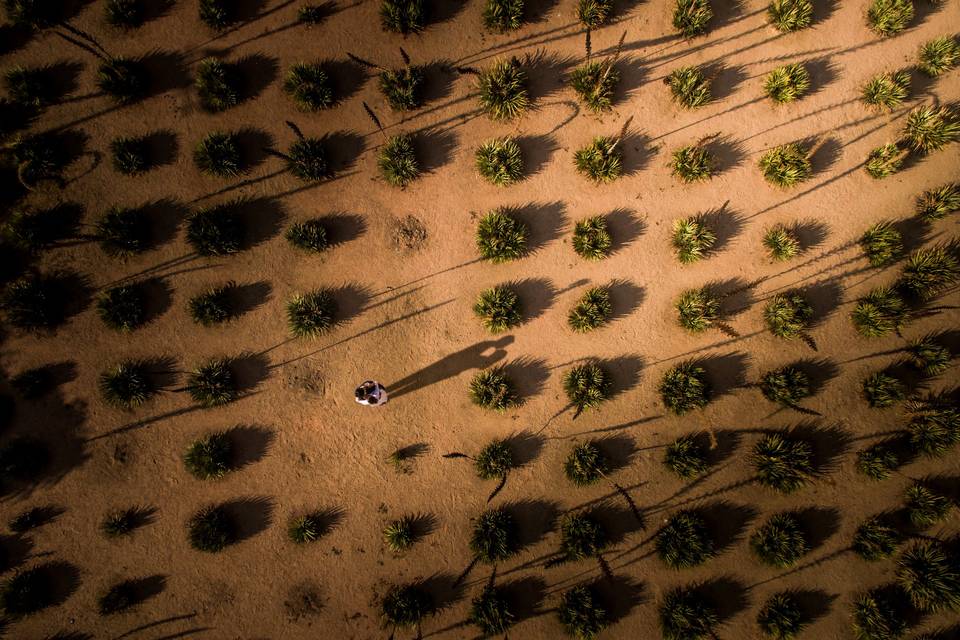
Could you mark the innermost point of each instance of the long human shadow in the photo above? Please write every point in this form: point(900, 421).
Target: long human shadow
point(473, 357)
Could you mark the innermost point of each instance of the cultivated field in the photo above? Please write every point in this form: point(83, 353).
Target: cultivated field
point(712, 291)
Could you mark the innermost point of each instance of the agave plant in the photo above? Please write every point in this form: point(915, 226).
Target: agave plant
point(883, 390)
point(39, 157)
point(781, 243)
point(493, 389)
point(309, 235)
point(882, 243)
point(33, 302)
point(503, 15)
point(123, 307)
point(935, 204)
point(693, 163)
point(501, 237)
point(34, 230)
point(493, 462)
point(698, 309)
point(312, 314)
point(601, 160)
point(685, 540)
point(591, 239)
point(691, 17)
point(780, 541)
point(127, 385)
point(123, 79)
point(218, 154)
point(786, 386)
point(783, 463)
point(130, 155)
point(890, 17)
point(685, 388)
point(929, 356)
point(787, 165)
point(689, 86)
point(939, 56)
point(875, 539)
point(122, 232)
point(879, 312)
point(503, 91)
point(403, 87)
point(216, 14)
point(117, 524)
point(494, 537)
point(491, 611)
point(211, 529)
point(212, 384)
point(125, 14)
point(308, 527)
point(877, 461)
point(929, 577)
point(29, 86)
point(586, 465)
point(781, 618)
point(500, 161)
point(684, 614)
point(397, 161)
point(929, 271)
point(591, 311)
point(931, 128)
point(594, 83)
point(934, 425)
point(218, 84)
point(582, 536)
point(399, 535)
point(925, 507)
point(790, 15)
point(498, 308)
point(787, 83)
point(885, 160)
point(693, 238)
point(887, 90)
point(581, 614)
point(209, 457)
point(594, 13)
point(403, 16)
point(405, 606)
point(312, 14)
point(216, 230)
point(877, 616)
point(686, 457)
point(214, 306)
point(309, 86)
point(306, 158)
point(587, 386)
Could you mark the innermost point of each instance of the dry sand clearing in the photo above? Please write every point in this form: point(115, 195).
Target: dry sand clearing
point(406, 294)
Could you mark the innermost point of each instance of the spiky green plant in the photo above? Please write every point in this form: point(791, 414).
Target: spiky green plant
point(403, 16)
point(493, 389)
point(34, 230)
point(581, 536)
point(218, 154)
point(126, 385)
point(306, 158)
point(693, 163)
point(498, 308)
point(685, 388)
point(691, 17)
point(591, 311)
point(403, 88)
point(397, 161)
point(790, 15)
point(930, 577)
point(939, 55)
point(119, 523)
point(787, 386)
point(122, 232)
point(311, 314)
point(130, 156)
point(890, 17)
point(698, 309)
point(781, 243)
point(693, 238)
point(503, 15)
point(887, 90)
point(684, 541)
point(877, 617)
point(591, 239)
point(123, 79)
point(209, 457)
point(218, 85)
point(587, 386)
point(212, 307)
point(885, 160)
point(934, 425)
point(308, 527)
point(494, 460)
point(581, 614)
point(33, 14)
point(685, 457)
point(216, 230)
point(26, 592)
point(929, 271)
point(780, 541)
point(312, 14)
point(689, 86)
point(29, 86)
point(125, 14)
point(405, 606)
point(782, 462)
point(399, 535)
point(501, 237)
point(879, 312)
point(494, 536)
point(780, 618)
point(787, 83)
point(684, 614)
point(594, 83)
point(877, 461)
point(491, 612)
point(123, 307)
point(930, 129)
point(216, 14)
point(594, 13)
point(883, 390)
point(601, 160)
point(935, 204)
point(500, 161)
point(33, 302)
point(309, 235)
point(929, 356)
point(924, 506)
point(502, 90)
point(211, 529)
point(882, 243)
point(39, 157)
point(787, 165)
point(788, 315)
point(212, 384)
point(309, 86)
point(585, 465)
point(875, 539)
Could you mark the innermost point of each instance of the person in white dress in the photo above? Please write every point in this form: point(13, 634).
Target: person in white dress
point(371, 393)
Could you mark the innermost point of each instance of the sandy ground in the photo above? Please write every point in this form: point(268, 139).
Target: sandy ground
point(408, 319)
